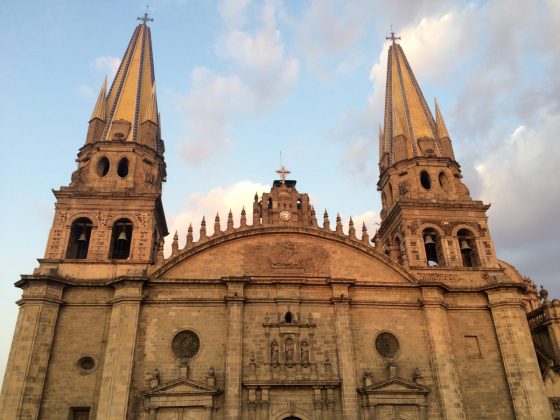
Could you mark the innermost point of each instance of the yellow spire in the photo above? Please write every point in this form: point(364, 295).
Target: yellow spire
point(132, 89)
point(100, 109)
point(151, 113)
point(404, 98)
point(440, 124)
point(381, 143)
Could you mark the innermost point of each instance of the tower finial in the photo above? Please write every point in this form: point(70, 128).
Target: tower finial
point(282, 172)
point(393, 37)
point(145, 19)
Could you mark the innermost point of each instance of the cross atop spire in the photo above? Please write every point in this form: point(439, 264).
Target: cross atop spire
point(283, 172)
point(145, 19)
point(393, 37)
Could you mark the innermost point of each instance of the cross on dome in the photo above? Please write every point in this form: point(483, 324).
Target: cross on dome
point(283, 172)
point(145, 19)
point(393, 37)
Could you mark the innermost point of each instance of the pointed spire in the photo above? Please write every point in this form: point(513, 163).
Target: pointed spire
point(365, 235)
point(175, 244)
point(405, 100)
point(381, 143)
point(151, 113)
point(351, 229)
point(100, 109)
point(217, 228)
point(189, 236)
point(203, 229)
point(230, 221)
point(338, 228)
point(243, 219)
point(313, 217)
point(441, 128)
point(133, 90)
point(326, 221)
point(159, 255)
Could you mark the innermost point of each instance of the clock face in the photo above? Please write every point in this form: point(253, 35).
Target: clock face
point(285, 215)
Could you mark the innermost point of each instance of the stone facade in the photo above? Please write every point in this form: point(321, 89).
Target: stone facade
point(280, 317)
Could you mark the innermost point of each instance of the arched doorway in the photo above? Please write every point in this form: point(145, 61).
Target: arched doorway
point(291, 418)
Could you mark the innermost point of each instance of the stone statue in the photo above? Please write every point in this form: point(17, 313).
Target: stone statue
point(289, 350)
point(211, 377)
point(543, 293)
point(274, 352)
point(368, 377)
point(417, 375)
point(304, 353)
point(154, 381)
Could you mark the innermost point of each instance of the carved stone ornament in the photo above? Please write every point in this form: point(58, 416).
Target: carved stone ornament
point(286, 258)
point(185, 345)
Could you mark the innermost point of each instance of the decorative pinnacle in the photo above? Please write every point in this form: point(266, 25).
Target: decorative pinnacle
point(282, 172)
point(145, 19)
point(393, 37)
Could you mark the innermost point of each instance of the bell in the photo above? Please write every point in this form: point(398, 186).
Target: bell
point(82, 237)
point(122, 236)
point(428, 239)
point(465, 246)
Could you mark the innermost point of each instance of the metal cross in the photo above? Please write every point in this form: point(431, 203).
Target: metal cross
point(393, 37)
point(145, 18)
point(282, 172)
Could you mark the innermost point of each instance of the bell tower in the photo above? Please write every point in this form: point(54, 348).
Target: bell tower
point(111, 210)
point(428, 217)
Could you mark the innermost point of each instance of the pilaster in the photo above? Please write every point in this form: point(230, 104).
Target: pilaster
point(119, 354)
point(31, 347)
point(234, 350)
point(345, 347)
point(518, 354)
point(441, 354)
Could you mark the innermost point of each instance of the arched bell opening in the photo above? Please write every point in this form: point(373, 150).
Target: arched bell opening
point(80, 234)
point(432, 247)
point(121, 239)
point(467, 246)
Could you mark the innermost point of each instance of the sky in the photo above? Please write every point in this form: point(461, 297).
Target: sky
point(242, 81)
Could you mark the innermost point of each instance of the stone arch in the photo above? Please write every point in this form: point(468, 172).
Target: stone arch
point(82, 214)
point(290, 414)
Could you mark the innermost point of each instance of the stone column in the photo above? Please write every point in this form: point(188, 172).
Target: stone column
point(31, 347)
point(552, 324)
point(234, 349)
point(518, 354)
point(119, 352)
point(441, 354)
point(345, 346)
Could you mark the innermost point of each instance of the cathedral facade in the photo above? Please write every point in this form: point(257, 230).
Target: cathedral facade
point(283, 316)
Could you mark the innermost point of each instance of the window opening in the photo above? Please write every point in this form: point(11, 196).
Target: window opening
point(122, 168)
point(80, 234)
point(425, 180)
point(467, 247)
point(103, 166)
point(121, 239)
point(288, 317)
point(430, 246)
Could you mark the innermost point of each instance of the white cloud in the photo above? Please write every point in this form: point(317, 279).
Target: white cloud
point(219, 199)
point(265, 76)
point(210, 107)
point(261, 57)
point(108, 65)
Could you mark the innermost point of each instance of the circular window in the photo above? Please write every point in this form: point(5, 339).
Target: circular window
point(85, 364)
point(387, 345)
point(103, 166)
point(425, 180)
point(122, 168)
point(185, 345)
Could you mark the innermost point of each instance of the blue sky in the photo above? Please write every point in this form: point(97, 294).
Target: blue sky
point(240, 81)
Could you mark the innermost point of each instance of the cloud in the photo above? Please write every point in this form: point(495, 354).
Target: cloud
point(219, 199)
point(264, 76)
point(520, 179)
point(86, 92)
point(261, 59)
point(210, 107)
point(108, 65)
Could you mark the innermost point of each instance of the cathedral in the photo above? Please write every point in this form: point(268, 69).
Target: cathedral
point(285, 314)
